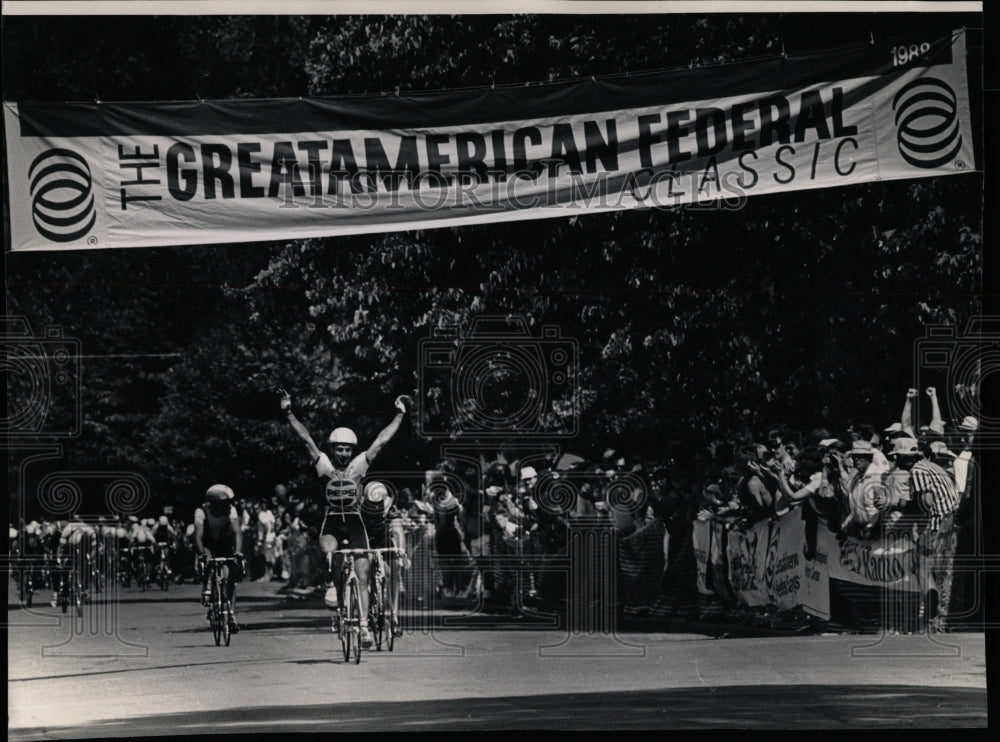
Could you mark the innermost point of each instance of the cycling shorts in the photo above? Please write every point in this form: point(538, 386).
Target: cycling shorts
point(346, 527)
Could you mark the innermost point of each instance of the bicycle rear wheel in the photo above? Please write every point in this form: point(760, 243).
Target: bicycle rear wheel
point(346, 630)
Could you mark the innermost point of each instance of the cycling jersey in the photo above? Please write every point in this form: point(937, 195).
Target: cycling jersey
point(218, 535)
point(341, 487)
point(378, 517)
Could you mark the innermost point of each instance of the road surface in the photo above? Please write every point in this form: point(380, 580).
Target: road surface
point(146, 664)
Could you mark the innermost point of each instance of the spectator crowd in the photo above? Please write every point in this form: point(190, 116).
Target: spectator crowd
point(491, 533)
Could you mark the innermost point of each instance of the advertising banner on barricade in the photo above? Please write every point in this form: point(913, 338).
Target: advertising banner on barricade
point(814, 590)
point(124, 175)
point(891, 561)
point(784, 561)
point(747, 555)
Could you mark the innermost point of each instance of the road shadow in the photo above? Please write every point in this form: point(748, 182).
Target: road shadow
point(724, 707)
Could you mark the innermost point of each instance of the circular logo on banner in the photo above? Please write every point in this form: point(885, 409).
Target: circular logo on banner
point(927, 131)
point(62, 205)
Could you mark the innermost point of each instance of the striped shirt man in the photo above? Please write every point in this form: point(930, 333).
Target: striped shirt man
point(933, 490)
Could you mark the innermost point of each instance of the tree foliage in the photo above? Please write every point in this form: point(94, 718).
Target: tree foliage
point(691, 325)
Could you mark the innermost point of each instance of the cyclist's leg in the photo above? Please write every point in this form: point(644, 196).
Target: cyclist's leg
point(205, 592)
point(358, 539)
point(332, 534)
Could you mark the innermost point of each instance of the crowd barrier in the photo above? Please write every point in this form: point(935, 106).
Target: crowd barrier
point(797, 563)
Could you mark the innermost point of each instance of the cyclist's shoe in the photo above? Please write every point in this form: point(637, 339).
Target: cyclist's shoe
point(397, 630)
point(208, 616)
point(366, 638)
point(55, 601)
point(234, 628)
point(330, 599)
point(206, 596)
point(335, 623)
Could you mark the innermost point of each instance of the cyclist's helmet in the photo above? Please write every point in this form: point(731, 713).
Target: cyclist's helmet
point(343, 435)
point(163, 520)
point(219, 493)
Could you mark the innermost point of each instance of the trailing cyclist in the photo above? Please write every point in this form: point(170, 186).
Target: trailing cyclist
point(340, 473)
point(217, 533)
point(384, 524)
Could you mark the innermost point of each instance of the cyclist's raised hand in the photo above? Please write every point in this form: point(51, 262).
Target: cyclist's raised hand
point(286, 400)
point(404, 403)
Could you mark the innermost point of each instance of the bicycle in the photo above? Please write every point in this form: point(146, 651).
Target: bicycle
point(140, 558)
point(162, 569)
point(219, 606)
point(72, 581)
point(380, 611)
point(125, 567)
point(349, 606)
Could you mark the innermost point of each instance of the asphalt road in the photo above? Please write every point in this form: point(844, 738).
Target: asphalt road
point(146, 664)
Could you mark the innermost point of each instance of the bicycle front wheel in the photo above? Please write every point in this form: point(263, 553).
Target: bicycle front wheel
point(347, 637)
point(216, 610)
point(388, 617)
point(227, 611)
point(78, 596)
point(376, 616)
point(356, 621)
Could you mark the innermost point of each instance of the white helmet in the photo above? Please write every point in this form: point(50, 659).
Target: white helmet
point(343, 435)
point(219, 493)
point(528, 472)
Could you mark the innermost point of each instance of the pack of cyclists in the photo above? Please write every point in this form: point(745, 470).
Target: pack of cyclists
point(350, 515)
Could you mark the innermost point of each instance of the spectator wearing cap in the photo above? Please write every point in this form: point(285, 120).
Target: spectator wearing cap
point(905, 452)
point(866, 432)
point(930, 491)
point(866, 490)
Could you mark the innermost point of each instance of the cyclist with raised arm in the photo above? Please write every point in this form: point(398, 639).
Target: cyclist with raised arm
point(217, 533)
point(340, 473)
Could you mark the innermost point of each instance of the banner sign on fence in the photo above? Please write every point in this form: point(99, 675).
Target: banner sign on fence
point(891, 561)
point(747, 555)
point(96, 175)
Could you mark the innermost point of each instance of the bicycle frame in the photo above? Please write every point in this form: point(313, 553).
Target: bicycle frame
point(140, 563)
point(349, 605)
point(380, 607)
point(163, 566)
point(219, 603)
